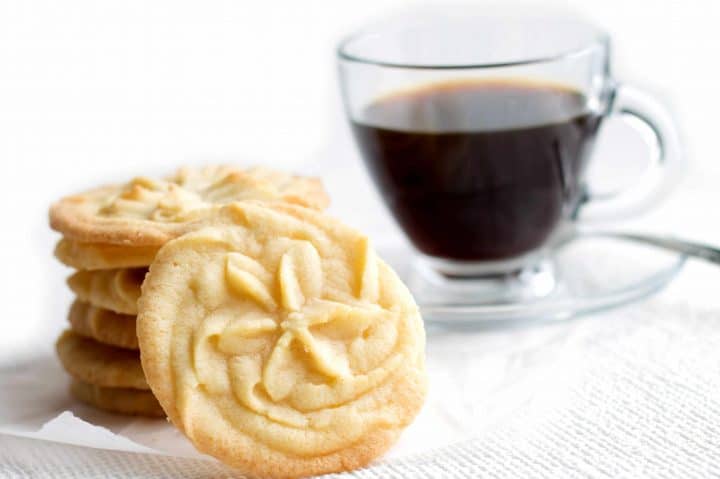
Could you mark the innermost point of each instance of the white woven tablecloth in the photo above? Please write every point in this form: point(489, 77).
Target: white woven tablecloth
point(633, 393)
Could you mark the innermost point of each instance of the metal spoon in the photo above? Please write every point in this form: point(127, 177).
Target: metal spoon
point(689, 248)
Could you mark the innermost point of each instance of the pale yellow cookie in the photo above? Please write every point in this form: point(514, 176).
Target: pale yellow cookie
point(280, 344)
point(147, 212)
point(92, 256)
point(133, 402)
point(115, 289)
point(103, 325)
point(99, 364)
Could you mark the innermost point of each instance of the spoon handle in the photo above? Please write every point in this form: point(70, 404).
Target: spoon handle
point(689, 248)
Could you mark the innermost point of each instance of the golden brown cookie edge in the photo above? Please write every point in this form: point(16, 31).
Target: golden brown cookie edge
point(114, 329)
point(132, 402)
point(99, 364)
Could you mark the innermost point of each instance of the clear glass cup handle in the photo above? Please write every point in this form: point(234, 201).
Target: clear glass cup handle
point(660, 176)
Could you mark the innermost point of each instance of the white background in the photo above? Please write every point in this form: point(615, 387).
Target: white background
point(97, 90)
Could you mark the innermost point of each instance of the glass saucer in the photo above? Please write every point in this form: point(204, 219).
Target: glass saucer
point(584, 275)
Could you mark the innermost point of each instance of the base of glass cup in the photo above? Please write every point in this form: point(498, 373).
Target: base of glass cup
point(478, 269)
point(489, 282)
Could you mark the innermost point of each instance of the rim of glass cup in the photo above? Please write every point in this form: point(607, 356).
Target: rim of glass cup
point(598, 40)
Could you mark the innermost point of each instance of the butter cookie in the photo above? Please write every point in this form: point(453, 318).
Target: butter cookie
point(134, 402)
point(280, 343)
point(92, 256)
point(99, 364)
point(149, 212)
point(115, 289)
point(103, 325)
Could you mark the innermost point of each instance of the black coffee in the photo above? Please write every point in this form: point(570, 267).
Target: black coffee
point(479, 170)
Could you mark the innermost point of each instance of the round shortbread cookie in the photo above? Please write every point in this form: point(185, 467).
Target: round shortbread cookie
point(92, 256)
point(103, 325)
point(279, 343)
point(99, 364)
point(147, 212)
point(134, 402)
point(115, 289)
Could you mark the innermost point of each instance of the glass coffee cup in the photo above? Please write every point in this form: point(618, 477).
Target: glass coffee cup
point(478, 133)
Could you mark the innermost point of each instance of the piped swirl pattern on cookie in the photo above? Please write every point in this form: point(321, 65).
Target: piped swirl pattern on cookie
point(148, 211)
point(172, 200)
point(283, 332)
point(317, 350)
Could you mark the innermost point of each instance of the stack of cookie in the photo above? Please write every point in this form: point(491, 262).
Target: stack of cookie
point(110, 236)
point(268, 332)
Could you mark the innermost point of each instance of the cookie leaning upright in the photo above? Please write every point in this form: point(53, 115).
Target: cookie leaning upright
point(149, 212)
point(279, 343)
